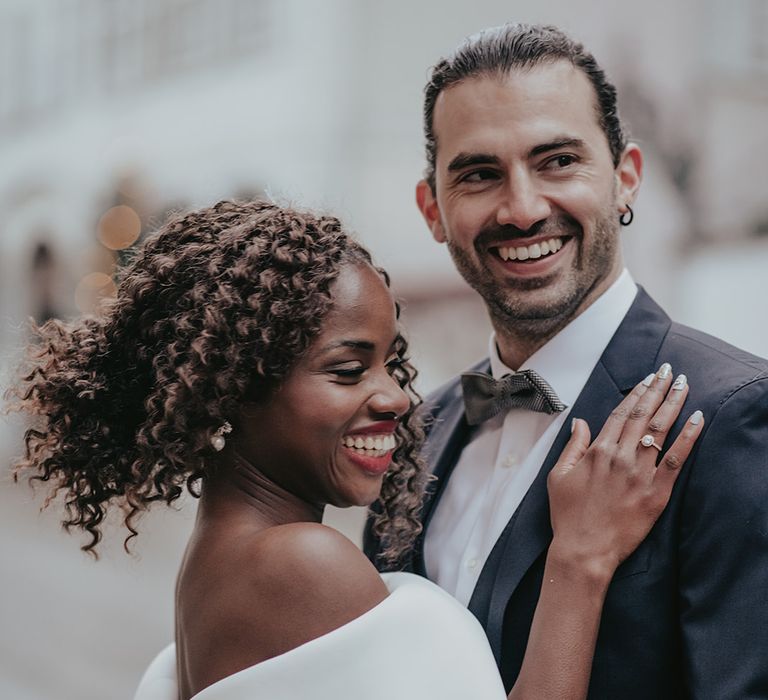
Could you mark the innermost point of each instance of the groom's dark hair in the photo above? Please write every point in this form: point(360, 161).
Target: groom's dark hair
point(499, 50)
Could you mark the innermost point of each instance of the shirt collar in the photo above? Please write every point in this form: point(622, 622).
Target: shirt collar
point(567, 360)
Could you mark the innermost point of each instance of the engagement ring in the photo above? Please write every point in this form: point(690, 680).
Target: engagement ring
point(648, 441)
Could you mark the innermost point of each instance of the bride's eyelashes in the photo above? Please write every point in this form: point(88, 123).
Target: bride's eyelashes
point(348, 374)
point(354, 372)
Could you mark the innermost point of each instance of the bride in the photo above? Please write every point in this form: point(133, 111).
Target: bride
point(253, 356)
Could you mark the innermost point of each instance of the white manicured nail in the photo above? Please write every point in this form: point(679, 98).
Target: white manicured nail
point(680, 382)
point(696, 417)
point(649, 379)
point(665, 370)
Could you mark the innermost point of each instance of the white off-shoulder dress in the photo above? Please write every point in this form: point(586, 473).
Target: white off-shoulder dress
point(417, 644)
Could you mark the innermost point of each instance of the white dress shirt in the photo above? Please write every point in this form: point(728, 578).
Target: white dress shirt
point(496, 469)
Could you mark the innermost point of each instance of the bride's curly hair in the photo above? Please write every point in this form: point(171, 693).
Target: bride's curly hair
point(215, 308)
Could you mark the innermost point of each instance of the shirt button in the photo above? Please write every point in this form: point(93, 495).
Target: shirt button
point(510, 461)
point(472, 563)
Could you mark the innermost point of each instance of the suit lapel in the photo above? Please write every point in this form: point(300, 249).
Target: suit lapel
point(630, 356)
point(633, 352)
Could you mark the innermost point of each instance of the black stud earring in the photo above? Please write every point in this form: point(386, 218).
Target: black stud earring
point(625, 219)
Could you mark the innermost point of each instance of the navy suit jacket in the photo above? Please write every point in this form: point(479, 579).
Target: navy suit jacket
point(686, 615)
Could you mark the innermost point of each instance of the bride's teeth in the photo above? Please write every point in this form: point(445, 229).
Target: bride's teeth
point(534, 251)
point(379, 445)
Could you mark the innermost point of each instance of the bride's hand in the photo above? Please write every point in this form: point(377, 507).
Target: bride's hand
point(605, 497)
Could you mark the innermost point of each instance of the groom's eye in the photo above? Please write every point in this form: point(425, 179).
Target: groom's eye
point(476, 176)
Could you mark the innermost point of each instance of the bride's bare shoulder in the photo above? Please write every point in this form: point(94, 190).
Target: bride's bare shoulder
point(275, 591)
point(313, 563)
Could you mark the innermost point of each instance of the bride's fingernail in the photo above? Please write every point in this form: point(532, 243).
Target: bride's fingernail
point(573, 424)
point(680, 382)
point(664, 371)
point(696, 417)
point(649, 379)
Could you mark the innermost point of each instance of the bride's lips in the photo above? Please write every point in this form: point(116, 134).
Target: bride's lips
point(374, 455)
point(375, 466)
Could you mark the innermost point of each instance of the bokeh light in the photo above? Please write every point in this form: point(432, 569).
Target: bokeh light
point(119, 228)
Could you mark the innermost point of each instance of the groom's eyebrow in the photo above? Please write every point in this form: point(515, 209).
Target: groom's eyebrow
point(554, 145)
point(466, 160)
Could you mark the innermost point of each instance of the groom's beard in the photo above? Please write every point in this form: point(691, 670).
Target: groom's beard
point(540, 306)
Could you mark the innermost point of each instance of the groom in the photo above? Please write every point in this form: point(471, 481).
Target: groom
point(529, 178)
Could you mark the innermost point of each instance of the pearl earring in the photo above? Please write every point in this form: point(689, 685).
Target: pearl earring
point(217, 439)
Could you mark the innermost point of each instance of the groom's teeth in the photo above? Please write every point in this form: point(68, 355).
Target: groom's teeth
point(532, 252)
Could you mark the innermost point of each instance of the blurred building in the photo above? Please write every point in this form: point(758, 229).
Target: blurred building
point(113, 112)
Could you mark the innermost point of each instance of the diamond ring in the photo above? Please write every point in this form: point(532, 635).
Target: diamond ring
point(648, 441)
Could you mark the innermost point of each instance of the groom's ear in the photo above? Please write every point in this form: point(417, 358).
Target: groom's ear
point(427, 203)
point(629, 174)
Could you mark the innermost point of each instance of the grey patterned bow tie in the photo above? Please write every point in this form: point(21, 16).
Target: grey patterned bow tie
point(485, 397)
